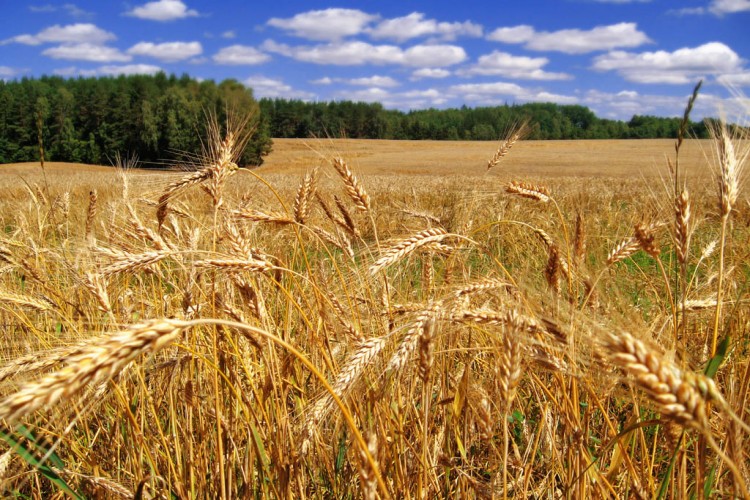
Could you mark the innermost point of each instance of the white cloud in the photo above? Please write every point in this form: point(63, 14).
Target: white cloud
point(688, 11)
point(682, 66)
point(163, 10)
point(626, 103)
point(269, 87)
point(127, 69)
point(433, 56)
point(716, 7)
point(87, 52)
point(240, 54)
point(516, 67)
point(328, 24)
point(412, 99)
point(721, 7)
point(7, 72)
point(430, 73)
point(573, 41)
point(368, 81)
point(373, 81)
point(70, 8)
point(229, 34)
point(735, 79)
point(516, 34)
point(168, 51)
point(415, 25)
point(72, 33)
point(489, 93)
point(353, 53)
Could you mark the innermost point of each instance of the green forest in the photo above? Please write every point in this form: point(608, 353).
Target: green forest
point(358, 120)
point(161, 119)
point(157, 119)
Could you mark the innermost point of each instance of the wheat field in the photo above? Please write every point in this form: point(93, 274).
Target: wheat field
point(380, 319)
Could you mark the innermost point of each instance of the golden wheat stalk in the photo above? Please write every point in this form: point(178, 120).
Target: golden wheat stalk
point(305, 192)
point(406, 246)
point(515, 135)
point(678, 395)
point(91, 212)
point(25, 301)
point(579, 241)
point(349, 374)
point(526, 190)
point(421, 326)
point(623, 250)
point(97, 362)
point(422, 215)
point(230, 265)
point(128, 262)
point(354, 189)
point(682, 230)
point(189, 180)
point(350, 226)
point(258, 216)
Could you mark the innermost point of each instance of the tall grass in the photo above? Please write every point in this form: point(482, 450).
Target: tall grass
point(224, 335)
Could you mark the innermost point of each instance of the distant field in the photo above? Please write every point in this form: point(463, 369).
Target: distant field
point(616, 158)
point(536, 158)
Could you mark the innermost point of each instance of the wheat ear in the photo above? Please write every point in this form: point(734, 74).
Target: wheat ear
point(405, 247)
point(679, 395)
point(515, 135)
point(353, 188)
point(526, 190)
point(97, 362)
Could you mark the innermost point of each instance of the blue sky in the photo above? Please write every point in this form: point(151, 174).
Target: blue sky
point(618, 57)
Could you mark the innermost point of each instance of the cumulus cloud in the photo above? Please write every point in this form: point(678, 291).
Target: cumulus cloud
point(163, 10)
point(168, 51)
point(373, 81)
point(735, 79)
point(87, 52)
point(412, 99)
point(353, 53)
point(721, 7)
point(624, 104)
point(269, 87)
point(489, 93)
point(327, 24)
point(367, 81)
point(72, 33)
point(229, 34)
point(7, 72)
point(127, 69)
point(679, 67)
point(415, 25)
point(240, 54)
point(430, 73)
point(573, 41)
point(516, 67)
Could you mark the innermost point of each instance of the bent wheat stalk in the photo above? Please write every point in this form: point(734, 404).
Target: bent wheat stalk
point(407, 246)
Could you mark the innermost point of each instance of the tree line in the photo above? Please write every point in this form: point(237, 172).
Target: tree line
point(158, 119)
point(359, 120)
